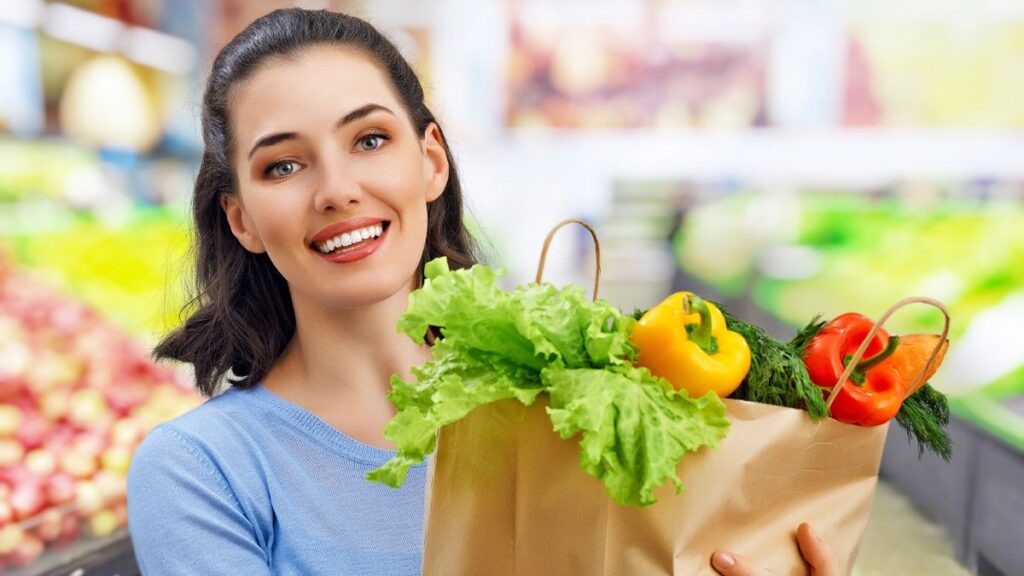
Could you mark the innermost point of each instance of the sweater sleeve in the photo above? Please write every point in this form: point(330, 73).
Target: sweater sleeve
point(183, 516)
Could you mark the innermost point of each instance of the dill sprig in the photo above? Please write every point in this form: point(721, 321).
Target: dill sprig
point(924, 415)
point(777, 373)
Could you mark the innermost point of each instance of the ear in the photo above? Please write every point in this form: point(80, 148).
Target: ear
point(435, 162)
point(241, 225)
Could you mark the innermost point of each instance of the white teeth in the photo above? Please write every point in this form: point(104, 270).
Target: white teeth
point(351, 237)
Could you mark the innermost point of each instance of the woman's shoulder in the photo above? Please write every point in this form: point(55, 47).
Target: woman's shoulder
point(224, 431)
point(216, 420)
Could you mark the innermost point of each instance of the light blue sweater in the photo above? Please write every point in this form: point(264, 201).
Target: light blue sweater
point(249, 483)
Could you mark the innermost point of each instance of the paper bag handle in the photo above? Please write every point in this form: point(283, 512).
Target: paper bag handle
point(547, 244)
point(878, 326)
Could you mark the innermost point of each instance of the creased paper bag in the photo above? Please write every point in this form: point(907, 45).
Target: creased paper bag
point(507, 497)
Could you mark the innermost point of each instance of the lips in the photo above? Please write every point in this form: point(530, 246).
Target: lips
point(335, 230)
point(355, 252)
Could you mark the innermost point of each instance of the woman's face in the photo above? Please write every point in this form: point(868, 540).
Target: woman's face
point(333, 180)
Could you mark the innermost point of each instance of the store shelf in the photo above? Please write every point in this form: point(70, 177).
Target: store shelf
point(827, 155)
point(977, 497)
point(110, 556)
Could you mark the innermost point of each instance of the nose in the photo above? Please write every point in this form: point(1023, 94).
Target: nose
point(337, 188)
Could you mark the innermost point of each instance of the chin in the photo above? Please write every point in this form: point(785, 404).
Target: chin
point(380, 289)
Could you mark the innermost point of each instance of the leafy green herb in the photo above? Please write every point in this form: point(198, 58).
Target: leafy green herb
point(777, 373)
point(924, 415)
point(805, 334)
point(633, 427)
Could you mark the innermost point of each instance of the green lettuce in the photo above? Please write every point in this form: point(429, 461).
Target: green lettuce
point(633, 427)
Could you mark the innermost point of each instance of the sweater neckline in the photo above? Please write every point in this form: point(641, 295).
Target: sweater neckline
point(316, 427)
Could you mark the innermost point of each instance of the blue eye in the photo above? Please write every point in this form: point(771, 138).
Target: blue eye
point(380, 138)
point(281, 169)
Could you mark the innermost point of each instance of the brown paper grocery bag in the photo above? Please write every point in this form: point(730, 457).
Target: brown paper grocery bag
point(508, 497)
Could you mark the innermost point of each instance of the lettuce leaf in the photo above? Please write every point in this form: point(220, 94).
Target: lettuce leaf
point(633, 427)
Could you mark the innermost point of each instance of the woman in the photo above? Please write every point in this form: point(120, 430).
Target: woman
point(325, 185)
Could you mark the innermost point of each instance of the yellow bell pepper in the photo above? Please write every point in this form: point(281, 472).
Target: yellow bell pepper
point(685, 341)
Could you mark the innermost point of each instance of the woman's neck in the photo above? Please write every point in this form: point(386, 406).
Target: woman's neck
point(339, 364)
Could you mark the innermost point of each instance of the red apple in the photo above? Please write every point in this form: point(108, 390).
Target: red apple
point(88, 498)
point(53, 370)
point(117, 459)
point(27, 499)
point(112, 486)
point(69, 526)
point(92, 442)
point(10, 420)
point(125, 395)
point(121, 511)
point(77, 463)
point(60, 488)
point(70, 318)
point(25, 402)
point(61, 437)
point(6, 513)
point(34, 430)
point(41, 462)
point(49, 526)
point(54, 404)
point(11, 385)
point(126, 432)
point(11, 452)
point(103, 523)
point(88, 408)
point(10, 537)
point(27, 551)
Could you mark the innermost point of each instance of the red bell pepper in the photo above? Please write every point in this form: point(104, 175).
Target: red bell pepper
point(872, 394)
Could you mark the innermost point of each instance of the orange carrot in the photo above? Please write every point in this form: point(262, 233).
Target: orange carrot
point(912, 355)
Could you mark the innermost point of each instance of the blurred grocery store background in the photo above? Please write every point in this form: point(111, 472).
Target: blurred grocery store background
point(786, 157)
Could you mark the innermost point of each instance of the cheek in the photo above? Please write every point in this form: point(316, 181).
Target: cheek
point(278, 221)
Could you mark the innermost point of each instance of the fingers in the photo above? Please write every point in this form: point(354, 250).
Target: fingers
point(730, 564)
point(815, 552)
point(818, 554)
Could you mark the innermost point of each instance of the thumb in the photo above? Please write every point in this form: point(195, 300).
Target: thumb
point(731, 564)
point(818, 554)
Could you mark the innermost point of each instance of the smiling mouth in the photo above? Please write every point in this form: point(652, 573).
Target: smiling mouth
point(352, 240)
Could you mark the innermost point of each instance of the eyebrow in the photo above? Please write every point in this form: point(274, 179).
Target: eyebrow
point(361, 112)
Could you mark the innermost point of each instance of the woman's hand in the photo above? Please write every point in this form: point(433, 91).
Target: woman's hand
point(817, 554)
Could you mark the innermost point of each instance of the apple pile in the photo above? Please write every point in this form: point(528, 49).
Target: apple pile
point(77, 395)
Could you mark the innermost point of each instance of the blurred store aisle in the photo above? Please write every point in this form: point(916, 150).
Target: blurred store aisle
point(899, 540)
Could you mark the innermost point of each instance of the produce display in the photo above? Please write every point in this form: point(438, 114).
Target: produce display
point(77, 395)
point(574, 66)
point(887, 85)
point(125, 267)
point(641, 390)
point(860, 251)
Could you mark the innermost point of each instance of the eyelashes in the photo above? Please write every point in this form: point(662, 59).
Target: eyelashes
point(285, 168)
point(378, 135)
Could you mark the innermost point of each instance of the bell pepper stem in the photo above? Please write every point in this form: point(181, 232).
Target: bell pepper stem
point(868, 363)
point(701, 333)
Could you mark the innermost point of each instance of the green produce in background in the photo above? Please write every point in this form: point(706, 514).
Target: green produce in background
point(868, 252)
point(130, 270)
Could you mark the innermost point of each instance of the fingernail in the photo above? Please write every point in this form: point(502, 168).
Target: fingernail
point(813, 533)
point(723, 560)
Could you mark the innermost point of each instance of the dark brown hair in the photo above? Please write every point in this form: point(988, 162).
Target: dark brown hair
point(240, 316)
